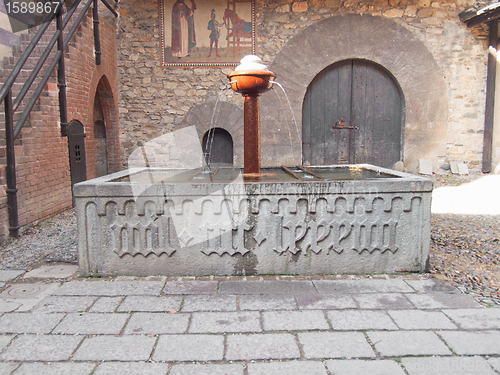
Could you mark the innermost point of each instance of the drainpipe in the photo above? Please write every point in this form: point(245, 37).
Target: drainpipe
point(490, 97)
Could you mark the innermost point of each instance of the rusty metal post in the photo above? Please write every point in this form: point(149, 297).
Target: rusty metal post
point(11, 167)
point(251, 123)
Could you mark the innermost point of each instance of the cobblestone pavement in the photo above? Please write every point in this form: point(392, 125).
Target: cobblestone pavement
point(409, 324)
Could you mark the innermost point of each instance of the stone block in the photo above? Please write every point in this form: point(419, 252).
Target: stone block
point(447, 366)
point(267, 287)
point(287, 368)
point(209, 303)
point(112, 368)
point(304, 320)
point(6, 275)
point(359, 366)
point(60, 271)
point(48, 348)
point(472, 343)
point(157, 323)
point(404, 343)
point(106, 304)
point(362, 286)
point(110, 288)
point(424, 320)
point(267, 302)
point(262, 346)
point(211, 369)
point(150, 303)
point(190, 287)
point(174, 348)
point(425, 166)
point(442, 301)
point(92, 324)
point(65, 304)
point(358, 320)
point(335, 345)
point(383, 301)
point(115, 348)
point(475, 318)
point(325, 302)
point(56, 368)
point(218, 322)
point(29, 322)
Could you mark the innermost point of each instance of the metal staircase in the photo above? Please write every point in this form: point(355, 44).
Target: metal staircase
point(17, 93)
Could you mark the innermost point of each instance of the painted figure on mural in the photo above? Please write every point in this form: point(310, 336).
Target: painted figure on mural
point(183, 34)
point(213, 26)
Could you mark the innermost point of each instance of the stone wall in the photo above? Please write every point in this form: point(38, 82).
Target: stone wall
point(155, 100)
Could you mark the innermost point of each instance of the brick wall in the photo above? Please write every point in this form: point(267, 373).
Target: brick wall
point(42, 161)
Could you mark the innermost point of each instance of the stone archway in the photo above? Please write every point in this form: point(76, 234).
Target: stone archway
point(227, 117)
point(372, 38)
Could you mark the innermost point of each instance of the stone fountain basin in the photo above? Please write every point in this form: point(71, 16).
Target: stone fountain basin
point(357, 219)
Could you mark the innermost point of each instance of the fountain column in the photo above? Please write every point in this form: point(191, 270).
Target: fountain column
point(251, 78)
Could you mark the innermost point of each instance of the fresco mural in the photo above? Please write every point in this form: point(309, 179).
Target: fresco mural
point(206, 33)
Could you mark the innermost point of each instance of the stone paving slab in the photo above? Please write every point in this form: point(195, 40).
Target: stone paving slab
point(287, 368)
point(6, 275)
point(5, 340)
point(132, 368)
point(267, 302)
point(44, 348)
point(106, 304)
point(189, 348)
point(475, 318)
point(383, 301)
point(356, 320)
point(318, 345)
point(495, 363)
point(218, 322)
point(362, 286)
point(304, 320)
point(55, 368)
point(442, 301)
point(110, 288)
point(447, 366)
point(29, 323)
point(209, 303)
point(472, 343)
point(424, 320)
point(115, 348)
point(405, 343)
point(190, 287)
point(9, 306)
point(150, 303)
point(200, 369)
point(372, 367)
point(432, 286)
point(325, 302)
point(156, 323)
point(7, 368)
point(64, 304)
point(92, 324)
point(262, 346)
point(266, 287)
point(59, 271)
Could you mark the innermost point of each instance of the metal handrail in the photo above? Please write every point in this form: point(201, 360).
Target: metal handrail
point(11, 131)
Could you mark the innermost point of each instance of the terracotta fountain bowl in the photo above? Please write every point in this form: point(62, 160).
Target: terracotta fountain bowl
point(251, 81)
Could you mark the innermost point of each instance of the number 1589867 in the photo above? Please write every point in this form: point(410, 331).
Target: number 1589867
point(31, 7)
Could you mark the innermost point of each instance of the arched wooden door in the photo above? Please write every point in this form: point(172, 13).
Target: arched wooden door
point(353, 112)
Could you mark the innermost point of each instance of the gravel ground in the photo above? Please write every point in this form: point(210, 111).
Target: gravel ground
point(465, 249)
